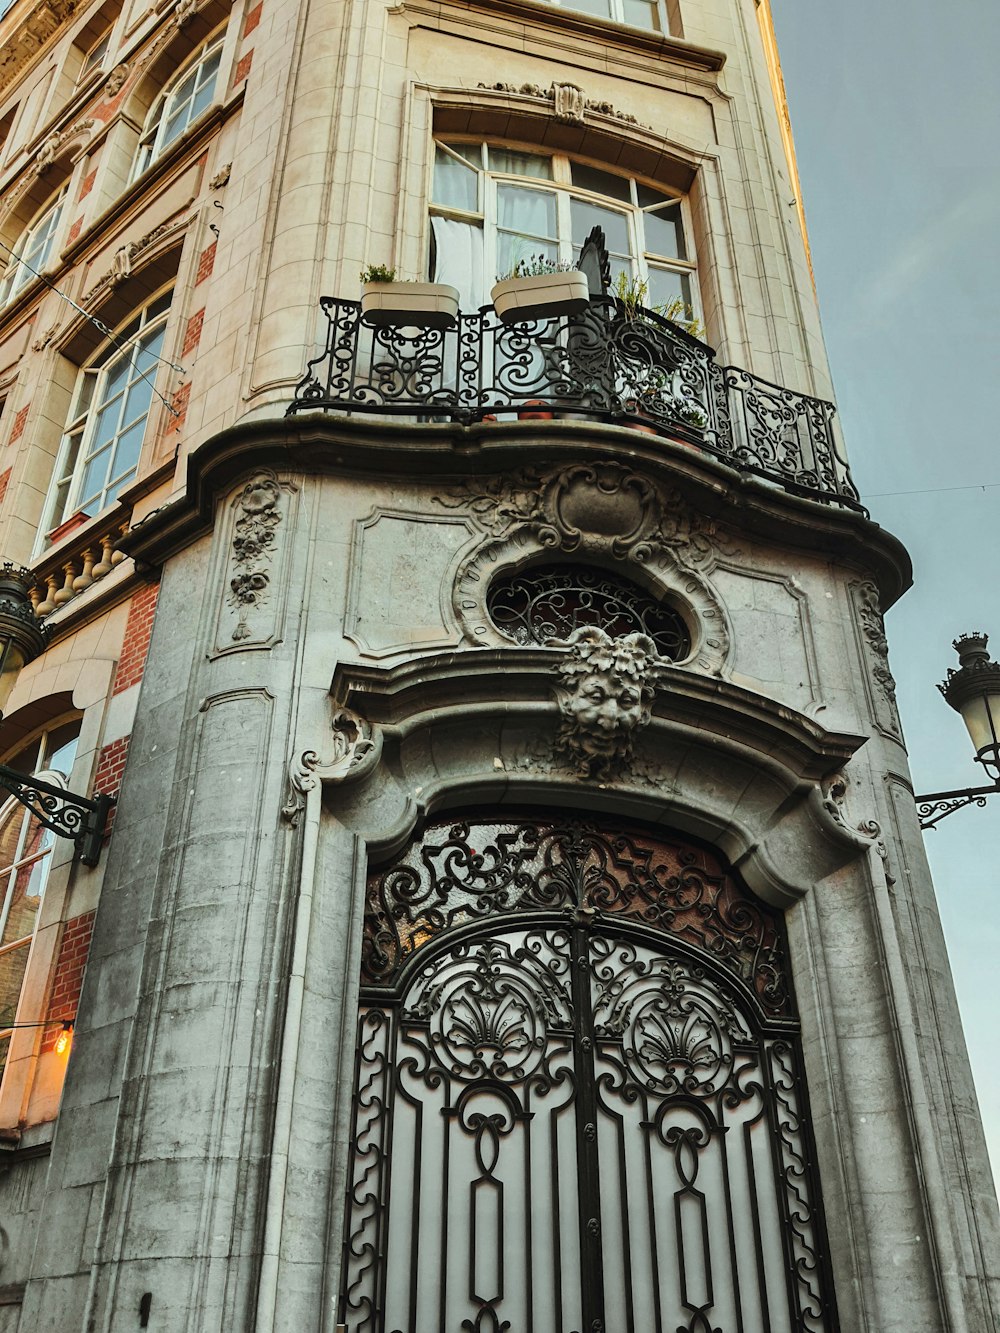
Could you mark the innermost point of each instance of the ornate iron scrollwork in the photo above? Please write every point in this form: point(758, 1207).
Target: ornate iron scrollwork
point(463, 872)
point(547, 602)
point(610, 363)
point(84, 821)
point(563, 1121)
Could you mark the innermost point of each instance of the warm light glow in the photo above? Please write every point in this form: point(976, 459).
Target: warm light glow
point(64, 1040)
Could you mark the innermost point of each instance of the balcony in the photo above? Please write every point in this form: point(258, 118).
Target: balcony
point(611, 364)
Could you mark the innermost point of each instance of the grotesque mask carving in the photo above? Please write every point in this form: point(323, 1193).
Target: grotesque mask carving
point(605, 692)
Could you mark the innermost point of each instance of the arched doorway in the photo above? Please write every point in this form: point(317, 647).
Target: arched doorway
point(578, 1102)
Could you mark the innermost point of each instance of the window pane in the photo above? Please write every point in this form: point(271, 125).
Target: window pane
point(601, 7)
point(664, 233)
point(527, 225)
point(455, 185)
point(642, 14)
point(601, 182)
point(61, 749)
point(666, 286)
point(105, 426)
point(12, 966)
point(126, 455)
point(521, 164)
point(94, 480)
point(586, 216)
point(29, 886)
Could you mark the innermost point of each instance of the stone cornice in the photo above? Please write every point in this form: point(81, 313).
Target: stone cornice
point(595, 29)
point(31, 27)
point(758, 780)
point(324, 443)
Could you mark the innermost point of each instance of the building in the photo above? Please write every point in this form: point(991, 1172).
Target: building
point(514, 914)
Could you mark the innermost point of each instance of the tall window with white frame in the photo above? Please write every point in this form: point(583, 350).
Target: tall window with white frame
point(492, 206)
point(100, 449)
point(25, 857)
point(30, 253)
point(179, 105)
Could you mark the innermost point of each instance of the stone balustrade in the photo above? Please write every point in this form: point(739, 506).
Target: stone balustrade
point(76, 566)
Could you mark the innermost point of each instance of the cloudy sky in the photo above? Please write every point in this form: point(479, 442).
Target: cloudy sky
point(895, 106)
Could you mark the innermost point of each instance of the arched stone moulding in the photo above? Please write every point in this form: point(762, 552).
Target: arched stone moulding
point(732, 768)
point(604, 514)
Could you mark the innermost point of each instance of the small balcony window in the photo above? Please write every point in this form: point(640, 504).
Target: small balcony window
point(492, 206)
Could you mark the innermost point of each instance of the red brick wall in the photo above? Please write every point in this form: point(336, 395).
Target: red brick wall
point(137, 631)
point(180, 405)
point(243, 68)
point(192, 334)
point(18, 428)
point(253, 18)
point(70, 967)
point(206, 262)
point(111, 766)
point(4, 483)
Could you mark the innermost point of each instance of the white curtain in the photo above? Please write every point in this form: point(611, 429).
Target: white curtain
point(458, 248)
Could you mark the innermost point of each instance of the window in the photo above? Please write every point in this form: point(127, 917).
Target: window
point(179, 105)
point(492, 206)
point(546, 602)
point(31, 252)
point(95, 55)
point(103, 439)
point(637, 13)
point(25, 856)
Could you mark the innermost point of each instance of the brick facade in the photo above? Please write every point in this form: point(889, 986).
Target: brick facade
point(243, 68)
point(4, 483)
point(192, 334)
point(206, 262)
point(252, 19)
point(137, 631)
point(17, 430)
point(68, 981)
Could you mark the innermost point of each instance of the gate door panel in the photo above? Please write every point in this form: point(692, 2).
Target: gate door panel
point(578, 1101)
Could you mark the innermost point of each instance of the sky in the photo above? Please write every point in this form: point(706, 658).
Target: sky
point(895, 109)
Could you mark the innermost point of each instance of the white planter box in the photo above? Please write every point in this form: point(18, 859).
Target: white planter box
point(426, 305)
point(541, 297)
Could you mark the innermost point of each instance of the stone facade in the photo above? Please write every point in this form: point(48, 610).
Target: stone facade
point(277, 641)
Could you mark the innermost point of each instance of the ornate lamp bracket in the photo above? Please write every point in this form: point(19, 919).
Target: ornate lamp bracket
point(936, 805)
point(84, 820)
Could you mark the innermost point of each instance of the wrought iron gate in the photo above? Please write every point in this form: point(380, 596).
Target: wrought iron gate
point(578, 1101)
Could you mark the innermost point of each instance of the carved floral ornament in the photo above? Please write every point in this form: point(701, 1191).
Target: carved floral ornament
point(600, 512)
point(253, 547)
point(870, 612)
point(569, 102)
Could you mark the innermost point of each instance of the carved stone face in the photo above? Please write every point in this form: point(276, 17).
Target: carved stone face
point(606, 710)
point(605, 696)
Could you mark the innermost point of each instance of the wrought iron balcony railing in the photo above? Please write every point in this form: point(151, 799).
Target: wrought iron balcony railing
point(609, 364)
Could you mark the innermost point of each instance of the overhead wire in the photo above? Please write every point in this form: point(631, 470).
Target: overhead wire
point(103, 328)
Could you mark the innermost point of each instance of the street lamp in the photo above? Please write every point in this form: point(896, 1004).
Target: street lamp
point(22, 638)
point(973, 690)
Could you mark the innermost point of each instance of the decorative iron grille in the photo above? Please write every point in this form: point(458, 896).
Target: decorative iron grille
point(547, 602)
point(579, 1104)
point(609, 364)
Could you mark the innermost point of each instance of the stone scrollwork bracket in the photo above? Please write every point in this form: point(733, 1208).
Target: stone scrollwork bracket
point(356, 747)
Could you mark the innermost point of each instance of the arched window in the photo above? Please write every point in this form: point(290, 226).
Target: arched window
point(25, 855)
point(180, 103)
point(546, 602)
point(107, 423)
point(579, 1100)
point(492, 206)
point(31, 251)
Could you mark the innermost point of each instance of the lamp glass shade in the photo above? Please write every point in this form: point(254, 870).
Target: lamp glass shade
point(981, 715)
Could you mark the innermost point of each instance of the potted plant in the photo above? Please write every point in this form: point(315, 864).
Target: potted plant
point(631, 294)
point(387, 303)
point(540, 288)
